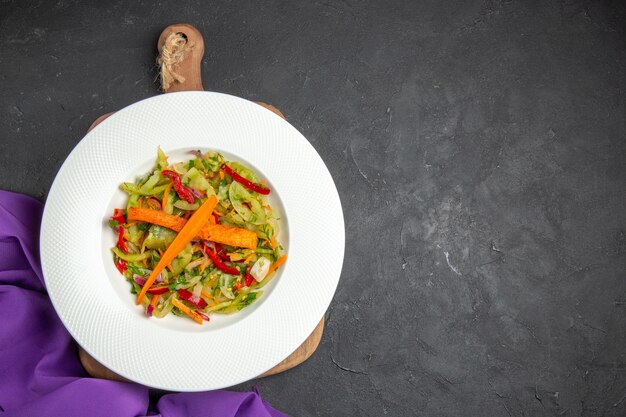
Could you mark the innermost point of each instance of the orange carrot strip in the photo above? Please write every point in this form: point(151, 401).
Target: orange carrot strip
point(155, 300)
point(157, 217)
point(228, 235)
point(276, 264)
point(208, 295)
point(188, 232)
point(221, 175)
point(204, 264)
point(194, 316)
point(166, 194)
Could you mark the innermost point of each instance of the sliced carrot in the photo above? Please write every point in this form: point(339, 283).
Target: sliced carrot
point(209, 296)
point(188, 232)
point(228, 235)
point(272, 243)
point(144, 261)
point(155, 300)
point(166, 194)
point(221, 175)
point(276, 264)
point(204, 264)
point(249, 258)
point(194, 316)
point(263, 182)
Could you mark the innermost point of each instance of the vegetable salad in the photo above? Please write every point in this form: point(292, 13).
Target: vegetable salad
point(196, 237)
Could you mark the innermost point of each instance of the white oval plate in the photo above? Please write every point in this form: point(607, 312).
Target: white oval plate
point(94, 301)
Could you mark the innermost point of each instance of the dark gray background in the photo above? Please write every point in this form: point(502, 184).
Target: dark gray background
point(479, 151)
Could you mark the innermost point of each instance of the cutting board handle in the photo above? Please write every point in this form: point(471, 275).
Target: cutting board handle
point(190, 66)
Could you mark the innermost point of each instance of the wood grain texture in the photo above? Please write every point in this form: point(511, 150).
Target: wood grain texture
point(271, 108)
point(190, 69)
point(301, 354)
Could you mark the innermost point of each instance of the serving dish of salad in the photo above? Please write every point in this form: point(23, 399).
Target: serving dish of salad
point(190, 208)
point(218, 268)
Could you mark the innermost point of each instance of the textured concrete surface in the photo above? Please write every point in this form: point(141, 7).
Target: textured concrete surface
point(479, 150)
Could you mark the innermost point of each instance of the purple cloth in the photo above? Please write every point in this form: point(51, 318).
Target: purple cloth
point(40, 374)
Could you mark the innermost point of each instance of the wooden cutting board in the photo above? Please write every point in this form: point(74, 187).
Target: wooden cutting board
point(190, 68)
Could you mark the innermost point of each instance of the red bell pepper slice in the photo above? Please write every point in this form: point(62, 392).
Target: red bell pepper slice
point(249, 279)
point(183, 192)
point(204, 316)
point(188, 296)
point(216, 217)
point(121, 266)
point(219, 263)
point(221, 252)
point(121, 243)
point(118, 216)
point(238, 285)
point(158, 290)
point(245, 182)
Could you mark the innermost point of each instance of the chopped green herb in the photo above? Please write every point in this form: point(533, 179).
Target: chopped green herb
point(180, 281)
point(247, 300)
point(135, 270)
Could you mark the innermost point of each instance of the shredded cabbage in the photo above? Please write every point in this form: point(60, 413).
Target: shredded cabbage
point(193, 271)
